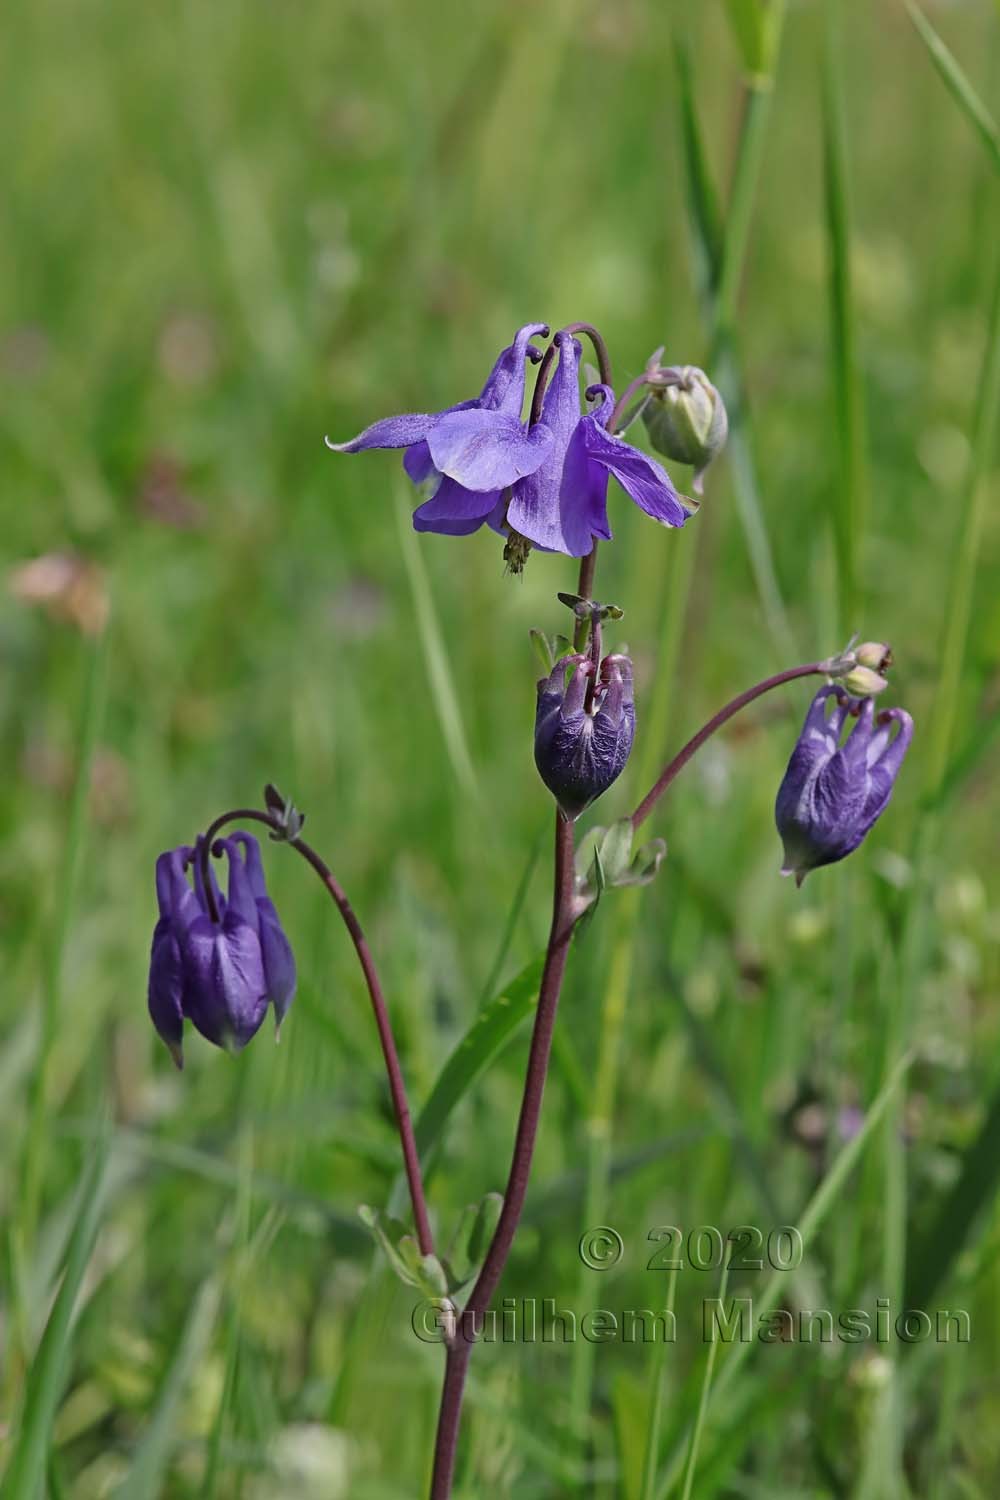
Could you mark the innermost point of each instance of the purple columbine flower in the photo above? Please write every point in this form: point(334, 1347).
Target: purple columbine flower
point(546, 483)
point(833, 794)
point(471, 452)
point(218, 973)
point(562, 506)
point(581, 748)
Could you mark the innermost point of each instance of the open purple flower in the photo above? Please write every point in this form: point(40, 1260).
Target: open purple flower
point(833, 794)
point(218, 973)
point(546, 483)
point(581, 749)
point(472, 451)
point(562, 506)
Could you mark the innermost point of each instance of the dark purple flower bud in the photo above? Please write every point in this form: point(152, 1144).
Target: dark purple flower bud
point(217, 972)
point(833, 794)
point(581, 747)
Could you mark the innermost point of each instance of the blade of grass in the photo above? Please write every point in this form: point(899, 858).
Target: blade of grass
point(36, 1131)
point(484, 1040)
point(957, 84)
point(810, 1221)
point(850, 492)
point(932, 1255)
point(436, 658)
point(703, 1399)
point(47, 1374)
point(966, 560)
point(702, 201)
point(148, 1473)
point(657, 1393)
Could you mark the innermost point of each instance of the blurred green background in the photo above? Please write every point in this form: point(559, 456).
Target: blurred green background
point(232, 228)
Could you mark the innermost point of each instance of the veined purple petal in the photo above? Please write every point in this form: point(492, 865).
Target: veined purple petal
point(390, 432)
point(166, 988)
point(225, 991)
point(418, 463)
point(486, 450)
point(641, 477)
point(536, 505)
point(583, 497)
point(455, 511)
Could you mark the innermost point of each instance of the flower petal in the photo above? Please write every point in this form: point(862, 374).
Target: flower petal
point(536, 506)
point(455, 511)
point(641, 477)
point(486, 450)
point(225, 992)
point(166, 988)
point(390, 432)
point(418, 463)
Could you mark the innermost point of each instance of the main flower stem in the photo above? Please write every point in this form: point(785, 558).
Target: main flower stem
point(463, 1341)
point(694, 744)
point(461, 1344)
point(397, 1087)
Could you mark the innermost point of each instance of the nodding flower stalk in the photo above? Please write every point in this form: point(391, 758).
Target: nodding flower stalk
point(220, 962)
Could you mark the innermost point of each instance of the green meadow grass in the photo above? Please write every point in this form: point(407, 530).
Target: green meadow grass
point(231, 229)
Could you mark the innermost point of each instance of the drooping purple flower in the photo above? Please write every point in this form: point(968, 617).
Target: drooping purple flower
point(833, 794)
point(218, 973)
point(473, 451)
point(562, 506)
point(581, 749)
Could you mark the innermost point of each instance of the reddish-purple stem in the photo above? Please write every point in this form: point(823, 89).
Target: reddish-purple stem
point(695, 743)
point(462, 1342)
point(397, 1087)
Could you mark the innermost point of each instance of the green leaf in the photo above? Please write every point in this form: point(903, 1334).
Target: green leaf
point(616, 851)
point(543, 650)
point(957, 83)
point(645, 865)
point(484, 1040)
point(471, 1240)
point(395, 1241)
point(487, 1035)
point(47, 1375)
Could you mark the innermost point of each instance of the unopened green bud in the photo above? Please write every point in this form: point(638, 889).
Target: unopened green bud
point(862, 682)
point(874, 654)
point(686, 418)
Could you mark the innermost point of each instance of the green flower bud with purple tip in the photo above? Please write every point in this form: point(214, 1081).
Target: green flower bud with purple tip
point(833, 794)
point(216, 962)
point(583, 731)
